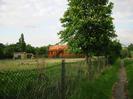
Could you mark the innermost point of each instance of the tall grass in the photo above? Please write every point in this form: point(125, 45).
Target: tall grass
point(100, 88)
point(45, 83)
point(129, 69)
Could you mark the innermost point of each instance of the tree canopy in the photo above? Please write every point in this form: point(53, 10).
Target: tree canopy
point(88, 26)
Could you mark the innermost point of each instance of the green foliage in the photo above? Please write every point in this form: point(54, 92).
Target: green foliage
point(42, 51)
point(22, 43)
point(7, 51)
point(88, 26)
point(30, 49)
point(2, 46)
point(129, 69)
point(130, 47)
point(125, 53)
point(100, 88)
point(114, 51)
point(27, 84)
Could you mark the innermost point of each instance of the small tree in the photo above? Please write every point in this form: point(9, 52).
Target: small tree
point(22, 43)
point(130, 47)
point(114, 51)
point(125, 53)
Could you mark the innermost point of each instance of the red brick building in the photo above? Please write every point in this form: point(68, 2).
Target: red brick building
point(57, 51)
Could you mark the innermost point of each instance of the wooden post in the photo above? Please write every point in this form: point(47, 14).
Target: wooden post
point(98, 61)
point(107, 62)
point(63, 74)
point(104, 62)
point(90, 69)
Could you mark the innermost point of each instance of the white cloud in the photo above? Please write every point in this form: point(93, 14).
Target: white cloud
point(123, 14)
point(125, 36)
point(39, 20)
point(123, 11)
point(29, 12)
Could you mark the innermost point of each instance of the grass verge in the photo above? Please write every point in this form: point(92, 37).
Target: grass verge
point(129, 69)
point(100, 88)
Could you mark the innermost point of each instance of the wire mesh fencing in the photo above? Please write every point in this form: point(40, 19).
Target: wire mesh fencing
point(58, 81)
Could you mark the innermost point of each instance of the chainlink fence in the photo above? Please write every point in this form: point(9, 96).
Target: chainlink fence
point(59, 81)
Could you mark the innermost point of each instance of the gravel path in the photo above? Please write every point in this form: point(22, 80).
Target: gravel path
point(119, 90)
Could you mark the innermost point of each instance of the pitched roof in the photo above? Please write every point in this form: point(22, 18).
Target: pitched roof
point(58, 47)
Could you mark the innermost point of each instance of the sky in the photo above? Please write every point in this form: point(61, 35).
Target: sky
point(39, 20)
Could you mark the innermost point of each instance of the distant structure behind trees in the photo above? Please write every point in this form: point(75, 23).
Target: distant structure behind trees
point(61, 51)
point(23, 55)
point(21, 50)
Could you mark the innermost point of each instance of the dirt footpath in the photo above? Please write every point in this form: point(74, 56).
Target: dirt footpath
point(120, 90)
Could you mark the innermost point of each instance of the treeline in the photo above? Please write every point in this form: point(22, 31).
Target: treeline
point(127, 52)
point(7, 51)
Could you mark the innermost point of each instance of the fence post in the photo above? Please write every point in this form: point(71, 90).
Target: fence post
point(89, 63)
point(107, 61)
point(63, 74)
point(99, 64)
point(104, 62)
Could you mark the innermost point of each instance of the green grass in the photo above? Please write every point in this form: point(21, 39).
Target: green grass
point(28, 64)
point(100, 88)
point(129, 69)
point(23, 84)
point(29, 84)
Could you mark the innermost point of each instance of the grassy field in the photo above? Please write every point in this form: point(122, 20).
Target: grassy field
point(13, 65)
point(27, 82)
point(129, 69)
